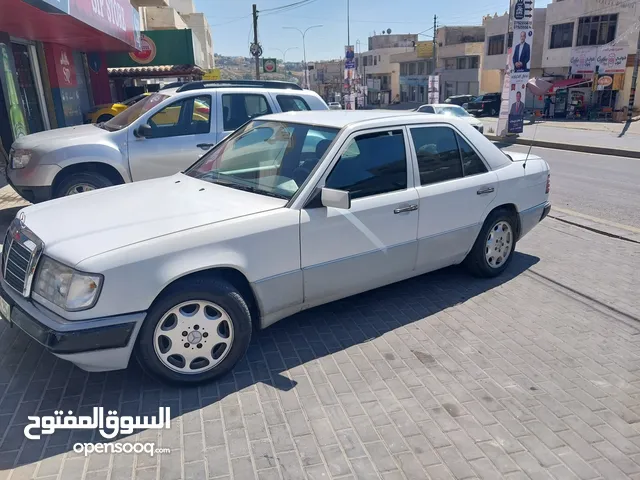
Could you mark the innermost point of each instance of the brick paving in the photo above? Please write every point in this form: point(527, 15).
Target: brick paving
point(532, 375)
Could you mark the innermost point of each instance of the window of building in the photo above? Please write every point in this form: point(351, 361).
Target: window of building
point(449, 63)
point(375, 60)
point(292, 103)
point(421, 68)
point(412, 68)
point(404, 68)
point(364, 61)
point(239, 108)
point(496, 45)
point(474, 62)
point(373, 164)
point(597, 30)
point(561, 35)
point(461, 63)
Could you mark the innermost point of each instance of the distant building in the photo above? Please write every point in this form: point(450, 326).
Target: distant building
point(460, 53)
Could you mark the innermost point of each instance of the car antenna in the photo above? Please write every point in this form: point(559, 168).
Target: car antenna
point(533, 139)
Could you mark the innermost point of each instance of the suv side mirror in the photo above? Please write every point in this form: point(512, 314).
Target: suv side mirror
point(144, 131)
point(335, 198)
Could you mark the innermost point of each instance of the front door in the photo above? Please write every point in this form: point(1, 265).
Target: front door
point(455, 188)
point(238, 109)
point(180, 134)
point(374, 242)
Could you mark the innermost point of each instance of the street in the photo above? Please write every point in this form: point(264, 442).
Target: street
point(534, 374)
point(597, 185)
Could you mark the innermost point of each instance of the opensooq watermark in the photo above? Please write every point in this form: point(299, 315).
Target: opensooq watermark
point(108, 426)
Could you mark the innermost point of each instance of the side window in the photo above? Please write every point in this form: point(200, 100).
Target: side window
point(472, 164)
point(426, 110)
point(373, 163)
point(291, 103)
point(438, 154)
point(239, 108)
point(185, 117)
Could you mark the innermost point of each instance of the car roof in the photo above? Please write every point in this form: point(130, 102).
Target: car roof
point(343, 118)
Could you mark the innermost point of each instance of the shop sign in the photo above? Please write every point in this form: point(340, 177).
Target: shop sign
point(147, 52)
point(65, 72)
point(212, 75)
point(414, 80)
point(113, 17)
point(424, 49)
point(607, 59)
point(269, 65)
point(604, 82)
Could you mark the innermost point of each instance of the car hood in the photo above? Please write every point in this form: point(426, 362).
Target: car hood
point(77, 227)
point(58, 137)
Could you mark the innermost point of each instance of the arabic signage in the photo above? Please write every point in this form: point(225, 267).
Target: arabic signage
point(212, 75)
point(64, 71)
point(172, 47)
point(349, 58)
point(606, 59)
point(424, 49)
point(113, 17)
point(414, 80)
point(147, 52)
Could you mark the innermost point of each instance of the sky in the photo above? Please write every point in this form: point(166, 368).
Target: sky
point(231, 23)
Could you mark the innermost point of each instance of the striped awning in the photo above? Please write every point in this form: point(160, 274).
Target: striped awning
point(156, 71)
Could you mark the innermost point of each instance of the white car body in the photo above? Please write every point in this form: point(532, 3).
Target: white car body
point(449, 109)
point(144, 236)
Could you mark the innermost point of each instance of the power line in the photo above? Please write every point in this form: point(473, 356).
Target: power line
point(296, 4)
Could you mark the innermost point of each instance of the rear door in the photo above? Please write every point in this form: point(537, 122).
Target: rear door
point(455, 188)
point(181, 133)
point(237, 108)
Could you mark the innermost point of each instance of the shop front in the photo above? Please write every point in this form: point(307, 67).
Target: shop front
point(53, 60)
point(165, 56)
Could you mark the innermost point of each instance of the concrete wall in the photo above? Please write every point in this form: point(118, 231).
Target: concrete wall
point(377, 42)
point(198, 23)
point(162, 18)
point(183, 6)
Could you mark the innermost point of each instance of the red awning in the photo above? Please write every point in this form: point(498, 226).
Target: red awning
point(569, 82)
point(22, 20)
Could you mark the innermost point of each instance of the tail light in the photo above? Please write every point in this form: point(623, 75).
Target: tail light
point(548, 183)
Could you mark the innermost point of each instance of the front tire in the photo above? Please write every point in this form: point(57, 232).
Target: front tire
point(493, 249)
point(197, 331)
point(81, 182)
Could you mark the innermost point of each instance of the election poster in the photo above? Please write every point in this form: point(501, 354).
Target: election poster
point(520, 63)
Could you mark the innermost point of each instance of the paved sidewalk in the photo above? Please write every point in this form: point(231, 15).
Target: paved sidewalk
point(528, 376)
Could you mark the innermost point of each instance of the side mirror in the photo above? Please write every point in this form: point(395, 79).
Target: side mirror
point(335, 198)
point(144, 131)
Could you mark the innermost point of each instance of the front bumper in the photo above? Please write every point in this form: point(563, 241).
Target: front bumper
point(33, 183)
point(99, 344)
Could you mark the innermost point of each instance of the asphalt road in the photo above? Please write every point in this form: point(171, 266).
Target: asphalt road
point(597, 185)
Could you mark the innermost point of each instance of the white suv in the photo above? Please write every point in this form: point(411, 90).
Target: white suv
point(292, 211)
point(158, 136)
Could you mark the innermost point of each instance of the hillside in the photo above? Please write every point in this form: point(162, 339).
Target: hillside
point(243, 68)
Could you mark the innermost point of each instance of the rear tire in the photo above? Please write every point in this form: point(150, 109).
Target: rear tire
point(218, 332)
point(493, 250)
point(81, 182)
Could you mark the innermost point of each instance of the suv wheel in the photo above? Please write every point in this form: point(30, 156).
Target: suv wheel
point(195, 332)
point(493, 112)
point(80, 183)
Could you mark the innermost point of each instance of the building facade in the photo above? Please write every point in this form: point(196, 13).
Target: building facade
point(327, 79)
point(460, 52)
point(414, 76)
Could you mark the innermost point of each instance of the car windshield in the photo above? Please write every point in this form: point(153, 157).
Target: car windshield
point(132, 113)
point(453, 111)
point(265, 157)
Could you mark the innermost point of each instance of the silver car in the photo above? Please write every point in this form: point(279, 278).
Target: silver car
point(161, 135)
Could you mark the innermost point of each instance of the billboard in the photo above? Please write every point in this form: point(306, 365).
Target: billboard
point(606, 59)
point(424, 49)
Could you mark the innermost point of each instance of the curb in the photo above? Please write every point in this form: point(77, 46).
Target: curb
point(596, 225)
point(618, 152)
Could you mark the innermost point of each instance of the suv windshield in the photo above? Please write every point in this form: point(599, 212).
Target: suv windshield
point(265, 157)
point(132, 113)
point(453, 111)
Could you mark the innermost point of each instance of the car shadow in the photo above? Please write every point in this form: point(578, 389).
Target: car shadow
point(34, 382)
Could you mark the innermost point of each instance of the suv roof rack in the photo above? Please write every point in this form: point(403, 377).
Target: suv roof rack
point(238, 83)
point(173, 85)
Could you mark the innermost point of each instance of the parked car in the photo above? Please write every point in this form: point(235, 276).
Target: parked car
point(487, 104)
point(335, 106)
point(159, 135)
point(105, 112)
point(459, 99)
point(453, 111)
point(179, 270)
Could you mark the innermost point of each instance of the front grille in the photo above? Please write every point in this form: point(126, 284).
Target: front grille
point(20, 255)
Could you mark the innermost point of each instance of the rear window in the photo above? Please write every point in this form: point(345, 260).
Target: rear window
point(292, 103)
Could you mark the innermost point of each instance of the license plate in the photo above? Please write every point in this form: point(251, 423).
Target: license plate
point(5, 310)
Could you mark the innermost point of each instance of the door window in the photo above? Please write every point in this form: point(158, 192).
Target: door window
point(189, 116)
point(426, 109)
point(239, 108)
point(372, 164)
point(472, 164)
point(438, 154)
point(292, 103)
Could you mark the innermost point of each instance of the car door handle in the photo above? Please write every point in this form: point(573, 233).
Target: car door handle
point(409, 208)
point(205, 146)
point(484, 190)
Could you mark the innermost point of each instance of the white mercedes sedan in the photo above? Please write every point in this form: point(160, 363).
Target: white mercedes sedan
point(291, 211)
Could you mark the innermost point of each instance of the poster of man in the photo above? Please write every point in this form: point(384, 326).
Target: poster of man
point(516, 108)
point(522, 52)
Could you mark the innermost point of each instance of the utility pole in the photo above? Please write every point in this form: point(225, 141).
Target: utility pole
point(634, 82)
point(435, 57)
point(256, 47)
point(348, 26)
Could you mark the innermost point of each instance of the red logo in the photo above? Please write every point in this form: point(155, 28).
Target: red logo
point(147, 51)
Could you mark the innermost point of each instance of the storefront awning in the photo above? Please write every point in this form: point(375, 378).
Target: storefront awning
point(156, 71)
point(72, 23)
point(569, 82)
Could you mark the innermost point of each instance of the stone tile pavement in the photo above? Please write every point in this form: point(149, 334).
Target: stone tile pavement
point(532, 375)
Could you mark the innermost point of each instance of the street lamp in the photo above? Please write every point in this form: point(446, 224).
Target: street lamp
point(284, 53)
point(304, 50)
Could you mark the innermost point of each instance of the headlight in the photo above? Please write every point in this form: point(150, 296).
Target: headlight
point(66, 287)
point(20, 158)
